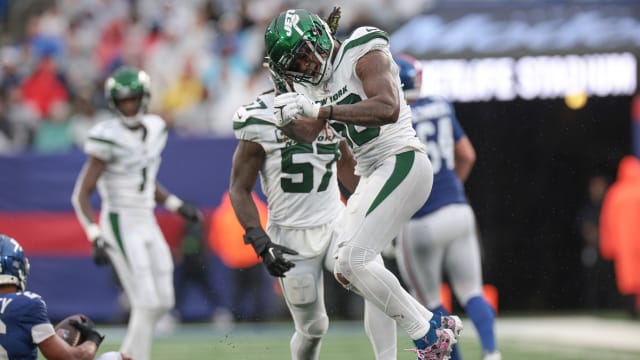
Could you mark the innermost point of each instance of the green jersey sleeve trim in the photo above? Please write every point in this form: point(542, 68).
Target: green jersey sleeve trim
point(104, 141)
point(237, 125)
point(374, 34)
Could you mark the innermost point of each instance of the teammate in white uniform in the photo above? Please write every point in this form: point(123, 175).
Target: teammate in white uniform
point(123, 161)
point(303, 199)
point(354, 86)
point(442, 234)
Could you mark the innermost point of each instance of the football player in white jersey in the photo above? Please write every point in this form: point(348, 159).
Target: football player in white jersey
point(442, 234)
point(303, 200)
point(123, 161)
point(354, 86)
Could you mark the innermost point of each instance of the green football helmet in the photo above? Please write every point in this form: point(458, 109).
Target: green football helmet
point(297, 32)
point(128, 83)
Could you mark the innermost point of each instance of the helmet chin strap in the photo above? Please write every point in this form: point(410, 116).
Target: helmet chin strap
point(327, 67)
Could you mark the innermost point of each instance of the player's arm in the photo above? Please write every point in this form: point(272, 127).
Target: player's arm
point(174, 204)
point(248, 159)
point(303, 130)
point(54, 348)
point(382, 105)
point(465, 157)
point(346, 167)
point(81, 198)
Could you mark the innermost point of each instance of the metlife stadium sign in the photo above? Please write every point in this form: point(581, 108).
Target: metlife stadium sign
point(531, 77)
point(509, 52)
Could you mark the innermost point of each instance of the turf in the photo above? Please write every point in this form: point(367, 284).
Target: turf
point(345, 341)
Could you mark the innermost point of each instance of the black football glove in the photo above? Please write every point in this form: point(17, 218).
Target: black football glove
point(190, 212)
point(100, 256)
point(270, 253)
point(87, 331)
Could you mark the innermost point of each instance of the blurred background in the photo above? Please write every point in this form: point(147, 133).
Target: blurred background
point(544, 90)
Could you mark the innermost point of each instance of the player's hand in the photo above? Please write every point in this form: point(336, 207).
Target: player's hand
point(99, 253)
point(88, 331)
point(285, 109)
point(273, 259)
point(190, 212)
point(272, 255)
point(308, 108)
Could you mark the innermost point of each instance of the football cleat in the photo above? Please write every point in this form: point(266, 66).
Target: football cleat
point(453, 323)
point(494, 355)
point(441, 349)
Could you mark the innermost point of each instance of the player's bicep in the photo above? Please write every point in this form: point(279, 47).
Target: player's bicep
point(374, 71)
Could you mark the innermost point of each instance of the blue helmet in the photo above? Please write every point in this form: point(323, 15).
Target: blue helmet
point(14, 265)
point(410, 74)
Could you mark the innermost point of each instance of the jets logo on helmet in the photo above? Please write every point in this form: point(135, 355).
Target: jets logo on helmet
point(14, 265)
point(291, 21)
point(299, 34)
point(128, 83)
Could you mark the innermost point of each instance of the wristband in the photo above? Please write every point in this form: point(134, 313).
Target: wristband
point(315, 111)
point(93, 231)
point(173, 203)
point(257, 238)
point(330, 112)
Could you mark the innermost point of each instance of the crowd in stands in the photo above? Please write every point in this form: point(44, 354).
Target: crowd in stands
point(204, 58)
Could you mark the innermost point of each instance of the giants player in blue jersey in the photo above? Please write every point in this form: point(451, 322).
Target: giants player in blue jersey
point(24, 321)
point(442, 234)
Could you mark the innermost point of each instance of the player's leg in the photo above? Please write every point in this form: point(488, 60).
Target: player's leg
point(420, 252)
point(162, 272)
point(303, 289)
point(161, 267)
point(133, 266)
point(463, 266)
point(380, 328)
point(375, 214)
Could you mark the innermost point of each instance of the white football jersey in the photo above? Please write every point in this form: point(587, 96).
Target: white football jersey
point(370, 144)
point(133, 158)
point(299, 180)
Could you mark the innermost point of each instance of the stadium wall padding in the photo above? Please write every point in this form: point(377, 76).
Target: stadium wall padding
point(35, 208)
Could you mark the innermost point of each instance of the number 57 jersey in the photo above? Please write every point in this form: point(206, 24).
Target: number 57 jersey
point(299, 180)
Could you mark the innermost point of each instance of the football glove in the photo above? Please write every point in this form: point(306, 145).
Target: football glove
point(88, 331)
point(270, 253)
point(190, 212)
point(99, 253)
point(285, 109)
point(309, 108)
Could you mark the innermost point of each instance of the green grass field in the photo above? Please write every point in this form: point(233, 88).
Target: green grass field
point(518, 340)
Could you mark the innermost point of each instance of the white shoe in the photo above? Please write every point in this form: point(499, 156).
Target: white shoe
point(494, 355)
point(166, 325)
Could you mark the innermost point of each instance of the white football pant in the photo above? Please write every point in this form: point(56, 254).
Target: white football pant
point(303, 290)
point(142, 259)
point(382, 203)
